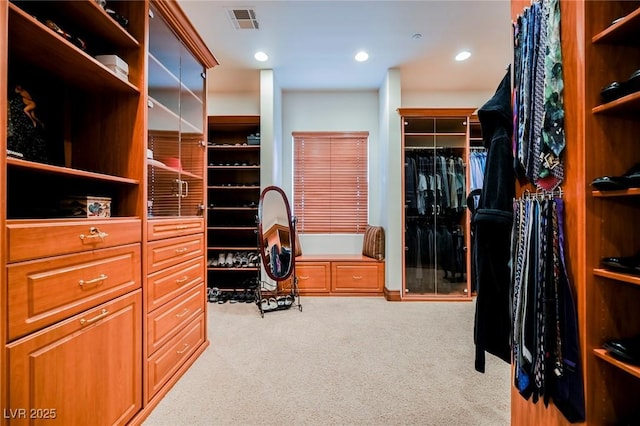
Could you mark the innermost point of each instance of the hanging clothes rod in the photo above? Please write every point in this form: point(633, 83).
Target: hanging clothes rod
point(429, 148)
point(542, 194)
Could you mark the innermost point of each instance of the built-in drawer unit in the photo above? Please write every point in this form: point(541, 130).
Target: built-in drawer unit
point(166, 285)
point(32, 240)
point(174, 227)
point(356, 277)
point(172, 251)
point(85, 366)
point(166, 321)
point(45, 291)
point(340, 274)
point(168, 359)
point(314, 277)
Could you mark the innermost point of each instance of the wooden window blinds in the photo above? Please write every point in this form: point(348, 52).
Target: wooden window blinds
point(330, 184)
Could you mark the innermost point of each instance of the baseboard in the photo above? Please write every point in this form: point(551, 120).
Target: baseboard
point(392, 295)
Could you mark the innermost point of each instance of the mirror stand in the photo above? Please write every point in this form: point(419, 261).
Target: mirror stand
point(276, 242)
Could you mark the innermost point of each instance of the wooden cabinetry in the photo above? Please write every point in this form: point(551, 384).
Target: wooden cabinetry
point(175, 309)
point(435, 186)
point(75, 291)
point(610, 148)
point(71, 286)
point(601, 141)
point(233, 196)
point(339, 275)
point(83, 370)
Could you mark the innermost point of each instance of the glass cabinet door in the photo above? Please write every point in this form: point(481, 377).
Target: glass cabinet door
point(176, 125)
point(435, 253)
point(192, 145)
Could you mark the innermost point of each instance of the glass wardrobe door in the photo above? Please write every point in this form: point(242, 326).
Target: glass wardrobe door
point(163, 154)
point(192, 147)
point(450, 135)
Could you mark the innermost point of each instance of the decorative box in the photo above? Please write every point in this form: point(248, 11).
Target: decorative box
point(86, 206)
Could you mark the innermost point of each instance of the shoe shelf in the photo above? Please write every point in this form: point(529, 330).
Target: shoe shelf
point(618, 276)
point(625, 31)
point(631, 192)
point(233, 167)
point(629, 368)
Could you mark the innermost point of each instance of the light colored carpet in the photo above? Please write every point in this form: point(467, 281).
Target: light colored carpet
point(341, 361)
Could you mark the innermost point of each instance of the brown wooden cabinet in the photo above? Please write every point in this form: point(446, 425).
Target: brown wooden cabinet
point(601, 141)
point(175, 308)
point(83, 370)
point(76, 291)
point(347, 275)
point(435, 150)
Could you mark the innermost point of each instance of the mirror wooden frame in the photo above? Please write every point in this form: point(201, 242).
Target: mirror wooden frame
point(287, 229)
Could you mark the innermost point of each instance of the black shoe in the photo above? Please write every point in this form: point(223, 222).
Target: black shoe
point(626, 350)
point(626, 264)
point(631, 179)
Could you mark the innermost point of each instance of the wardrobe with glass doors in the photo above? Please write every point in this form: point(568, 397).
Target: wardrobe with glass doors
point(435, 149)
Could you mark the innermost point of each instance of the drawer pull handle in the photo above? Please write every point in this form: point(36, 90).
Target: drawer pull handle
point(185, 312)
point(184, 349)
point(100, 279)
point(179, 227)
point(94, 233)
point(101, 315)
point(304, 277)
point(182, 280)
point(181, 250)
point(357, 277)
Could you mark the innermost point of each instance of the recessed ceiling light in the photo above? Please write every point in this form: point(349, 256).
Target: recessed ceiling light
point(261, 56)
point(463, 56)
point(362, 56)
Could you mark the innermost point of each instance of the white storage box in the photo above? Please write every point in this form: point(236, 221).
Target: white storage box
point(114, 63)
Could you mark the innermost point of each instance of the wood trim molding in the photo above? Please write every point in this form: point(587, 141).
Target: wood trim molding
point(392, 295)
point(436, 112)
point(175, 16)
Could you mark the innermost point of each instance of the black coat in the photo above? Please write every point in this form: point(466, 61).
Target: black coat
point(492, 221)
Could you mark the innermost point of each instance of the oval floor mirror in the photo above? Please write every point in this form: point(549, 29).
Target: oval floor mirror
point(276, 236)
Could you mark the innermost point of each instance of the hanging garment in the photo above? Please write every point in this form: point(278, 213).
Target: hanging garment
point(492, 221)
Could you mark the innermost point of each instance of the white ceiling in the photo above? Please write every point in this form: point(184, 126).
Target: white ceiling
point(311, 43)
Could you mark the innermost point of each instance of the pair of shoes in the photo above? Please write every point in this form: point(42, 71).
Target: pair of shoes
point(212, 294)
point(253, 260)
point(618, 89)
point(631, 179)
point(626, 264)
point(626, 350)
point(212, 263)
point(270, 304)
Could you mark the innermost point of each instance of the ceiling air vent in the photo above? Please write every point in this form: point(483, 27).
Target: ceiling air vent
point(243, 19)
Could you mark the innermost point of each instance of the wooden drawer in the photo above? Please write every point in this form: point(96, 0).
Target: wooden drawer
point(165, 285)
point(168, 359)
point(174, 227)
point(313, 277)
point(45, 291)
point(354, 277)
point(88, 364)
point(166, 321)
point(165, 253)
point(32, 240)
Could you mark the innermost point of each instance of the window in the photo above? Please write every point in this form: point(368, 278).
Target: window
point(330, 187)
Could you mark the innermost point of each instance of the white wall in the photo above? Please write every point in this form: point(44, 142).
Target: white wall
point(390, 178)
point(332, 111)
point(283, 112)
